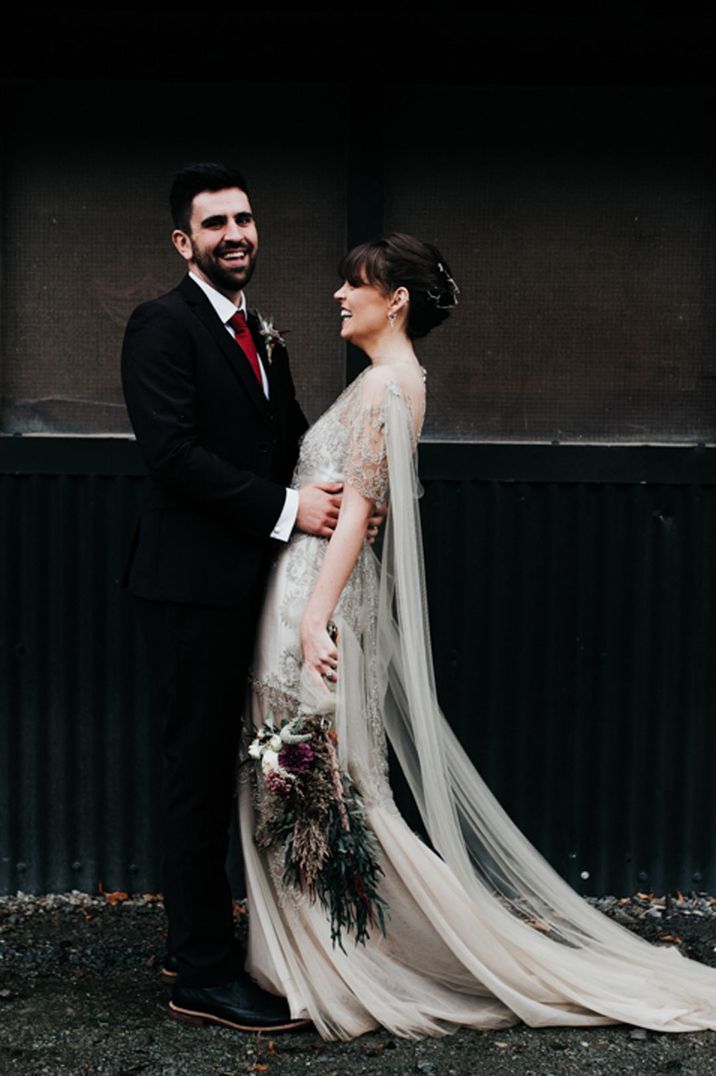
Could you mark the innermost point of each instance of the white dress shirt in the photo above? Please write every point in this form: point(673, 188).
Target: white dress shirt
point(226, 310)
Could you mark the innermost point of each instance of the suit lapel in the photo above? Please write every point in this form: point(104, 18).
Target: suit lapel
point(203, 309)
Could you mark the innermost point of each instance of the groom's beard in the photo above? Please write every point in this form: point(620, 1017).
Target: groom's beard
point(222, 277)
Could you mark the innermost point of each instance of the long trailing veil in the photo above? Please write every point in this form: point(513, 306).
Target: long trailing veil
point(565, 957)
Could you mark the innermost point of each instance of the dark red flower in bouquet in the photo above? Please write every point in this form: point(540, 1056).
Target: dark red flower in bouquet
point(296, 757)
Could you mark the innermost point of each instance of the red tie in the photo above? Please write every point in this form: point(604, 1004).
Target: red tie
point(245, 341)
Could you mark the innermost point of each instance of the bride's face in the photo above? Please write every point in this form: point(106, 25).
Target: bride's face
point(364, 312)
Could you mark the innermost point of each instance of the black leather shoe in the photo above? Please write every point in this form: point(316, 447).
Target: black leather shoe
point(240, 1004)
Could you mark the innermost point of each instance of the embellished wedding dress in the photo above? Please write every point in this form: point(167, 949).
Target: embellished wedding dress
point(482, 932)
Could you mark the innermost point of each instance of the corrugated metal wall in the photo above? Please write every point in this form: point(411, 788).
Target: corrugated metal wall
point(574, 645)
point(574, 632)
point(80, 752)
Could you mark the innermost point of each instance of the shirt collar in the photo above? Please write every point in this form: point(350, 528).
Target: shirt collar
point(223, 306)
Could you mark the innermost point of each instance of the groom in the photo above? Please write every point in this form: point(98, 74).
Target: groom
point(212, 403)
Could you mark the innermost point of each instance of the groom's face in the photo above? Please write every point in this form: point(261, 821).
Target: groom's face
point(222, 241)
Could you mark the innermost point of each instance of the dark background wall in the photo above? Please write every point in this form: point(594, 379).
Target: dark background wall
point(562, 165)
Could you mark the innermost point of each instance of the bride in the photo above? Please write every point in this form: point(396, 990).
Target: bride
point(481, 932)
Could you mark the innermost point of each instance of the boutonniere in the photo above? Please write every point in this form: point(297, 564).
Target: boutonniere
point(271, 335)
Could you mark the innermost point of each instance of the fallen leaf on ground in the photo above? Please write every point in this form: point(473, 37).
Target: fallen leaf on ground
point(117, 897)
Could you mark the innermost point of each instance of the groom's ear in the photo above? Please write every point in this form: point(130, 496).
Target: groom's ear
point(182, 243)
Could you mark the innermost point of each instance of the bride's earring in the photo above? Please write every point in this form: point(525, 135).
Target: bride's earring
point(392, 319)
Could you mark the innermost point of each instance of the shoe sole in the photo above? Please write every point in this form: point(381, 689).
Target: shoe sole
point(198, 1019)
point(167, 976)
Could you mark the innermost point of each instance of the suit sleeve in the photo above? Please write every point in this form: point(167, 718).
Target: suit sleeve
point(158, 380)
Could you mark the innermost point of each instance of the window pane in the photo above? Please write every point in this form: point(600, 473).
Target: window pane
point(579, 225)
point(86, 233)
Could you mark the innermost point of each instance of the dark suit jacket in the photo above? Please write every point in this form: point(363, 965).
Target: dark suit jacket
point(219, 454)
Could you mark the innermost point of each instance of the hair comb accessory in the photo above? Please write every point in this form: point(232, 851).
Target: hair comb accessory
point(450, 286)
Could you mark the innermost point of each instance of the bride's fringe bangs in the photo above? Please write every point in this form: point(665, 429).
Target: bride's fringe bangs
point(366, 263)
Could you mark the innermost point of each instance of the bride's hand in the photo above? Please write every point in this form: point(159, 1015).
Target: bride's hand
point(320, 653)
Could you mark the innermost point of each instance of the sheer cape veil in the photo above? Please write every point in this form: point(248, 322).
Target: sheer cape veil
point(559, 945)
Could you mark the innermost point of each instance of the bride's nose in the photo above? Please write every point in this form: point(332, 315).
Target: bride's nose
point(341, 293)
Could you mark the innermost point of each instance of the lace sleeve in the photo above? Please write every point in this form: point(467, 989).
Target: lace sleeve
point(366, 466)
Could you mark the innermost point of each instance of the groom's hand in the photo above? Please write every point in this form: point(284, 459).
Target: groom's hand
point(318, 508)
point(376, 522)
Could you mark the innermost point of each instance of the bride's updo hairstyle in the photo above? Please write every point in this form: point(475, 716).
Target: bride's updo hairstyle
point(397, 260)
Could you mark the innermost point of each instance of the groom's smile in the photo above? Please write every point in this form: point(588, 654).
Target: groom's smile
point(234, 257)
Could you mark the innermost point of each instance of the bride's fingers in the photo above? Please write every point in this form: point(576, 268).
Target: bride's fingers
point(330, 669)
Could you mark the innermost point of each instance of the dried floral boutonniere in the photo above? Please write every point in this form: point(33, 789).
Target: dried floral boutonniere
point(271, 335)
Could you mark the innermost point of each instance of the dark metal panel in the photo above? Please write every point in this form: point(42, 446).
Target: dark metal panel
point(69, 456)
point(449, 461)
point(574, 629)
point(573, 626)
point(81, 757)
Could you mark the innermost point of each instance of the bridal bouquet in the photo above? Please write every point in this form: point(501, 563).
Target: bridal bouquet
point(315, 813)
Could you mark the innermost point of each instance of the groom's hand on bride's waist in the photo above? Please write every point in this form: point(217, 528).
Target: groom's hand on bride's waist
point(318, 506)
point(376, 521)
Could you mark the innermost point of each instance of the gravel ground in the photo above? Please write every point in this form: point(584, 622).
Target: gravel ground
point(80, 994)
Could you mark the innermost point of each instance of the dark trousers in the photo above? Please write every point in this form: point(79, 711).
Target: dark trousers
point(199, 656)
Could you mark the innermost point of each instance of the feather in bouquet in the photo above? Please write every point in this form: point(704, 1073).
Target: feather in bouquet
point(314, 811)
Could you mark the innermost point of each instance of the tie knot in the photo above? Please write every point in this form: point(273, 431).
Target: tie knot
point(237, 322)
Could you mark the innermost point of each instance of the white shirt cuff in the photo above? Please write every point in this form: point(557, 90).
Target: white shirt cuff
point(287, 519)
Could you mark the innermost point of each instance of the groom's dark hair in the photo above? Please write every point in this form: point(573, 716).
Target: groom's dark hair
point(195, 178)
